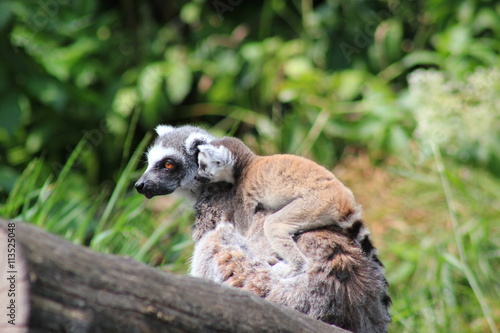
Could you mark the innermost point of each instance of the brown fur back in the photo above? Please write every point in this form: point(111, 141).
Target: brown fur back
point(282, 176)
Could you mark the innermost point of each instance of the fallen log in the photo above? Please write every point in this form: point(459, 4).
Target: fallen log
point(57, 286)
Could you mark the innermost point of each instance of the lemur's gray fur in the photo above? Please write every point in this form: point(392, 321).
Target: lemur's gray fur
point(342, 286)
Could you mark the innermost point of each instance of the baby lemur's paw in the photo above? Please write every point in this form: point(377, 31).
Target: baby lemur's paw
point(228, 235)
point(285, 270)
point(282, 269)
point(224, 227)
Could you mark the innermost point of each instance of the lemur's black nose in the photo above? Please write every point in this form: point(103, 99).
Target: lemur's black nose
point(139, 186)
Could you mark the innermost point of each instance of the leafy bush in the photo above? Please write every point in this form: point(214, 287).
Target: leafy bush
point(462, 117)
point(308, 78)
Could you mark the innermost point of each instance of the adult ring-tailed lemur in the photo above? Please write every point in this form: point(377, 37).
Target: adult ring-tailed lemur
point(343, 285)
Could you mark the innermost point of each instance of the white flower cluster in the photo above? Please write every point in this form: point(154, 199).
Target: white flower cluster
point(463, 118)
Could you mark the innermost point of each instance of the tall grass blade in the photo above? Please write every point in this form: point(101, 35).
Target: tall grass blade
point(121, 187)
point(471, 279)
point(71, 160)
point(159, 232)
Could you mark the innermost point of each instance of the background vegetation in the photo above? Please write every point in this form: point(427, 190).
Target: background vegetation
point(399, 98)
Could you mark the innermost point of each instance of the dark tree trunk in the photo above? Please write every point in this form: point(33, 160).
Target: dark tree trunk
point(62, 287)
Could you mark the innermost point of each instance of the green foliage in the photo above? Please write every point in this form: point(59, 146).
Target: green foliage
point(328, 74)
point(442, 271)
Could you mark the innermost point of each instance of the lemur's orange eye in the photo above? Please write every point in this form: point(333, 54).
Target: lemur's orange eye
point(169, 165)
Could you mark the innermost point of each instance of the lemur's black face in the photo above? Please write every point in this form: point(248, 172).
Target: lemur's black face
point(164, 177)
point(172, 161)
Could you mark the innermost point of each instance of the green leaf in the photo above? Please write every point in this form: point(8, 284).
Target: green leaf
point(393, 40)
point(454, 261)
point(421, 58)
point(348, 84)
point(150, 80)
point(297, 67)
point(61, 61)
point(179, 82)
point(125, 101)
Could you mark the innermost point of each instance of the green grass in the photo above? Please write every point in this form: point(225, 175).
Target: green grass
point(442, 265)
point(111, 219)
point(443, 270)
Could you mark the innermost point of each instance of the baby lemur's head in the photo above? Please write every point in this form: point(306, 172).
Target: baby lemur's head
point(222, 160)
point(215, 164)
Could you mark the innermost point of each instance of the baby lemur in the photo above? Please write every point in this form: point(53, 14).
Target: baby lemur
point(302, 194)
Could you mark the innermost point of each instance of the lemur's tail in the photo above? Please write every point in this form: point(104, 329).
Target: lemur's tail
point(342, 285)
point(354, 227)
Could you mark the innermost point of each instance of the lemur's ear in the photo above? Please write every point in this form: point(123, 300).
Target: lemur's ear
point(163, 129)
point(203, 147)
point(194, 140)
